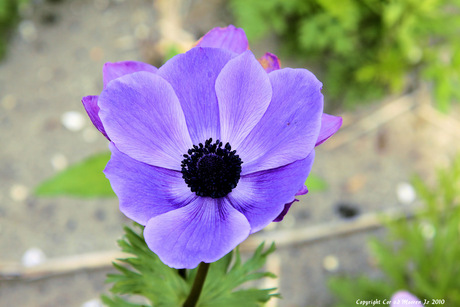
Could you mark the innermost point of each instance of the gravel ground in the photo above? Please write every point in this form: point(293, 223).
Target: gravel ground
point(56, 58)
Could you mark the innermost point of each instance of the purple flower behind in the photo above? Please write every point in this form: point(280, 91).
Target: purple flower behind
point(270, 62)
point(404, 298)
point(230, 38)
point(211, 147)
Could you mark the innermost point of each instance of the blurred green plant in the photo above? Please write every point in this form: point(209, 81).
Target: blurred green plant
point(83, 179)
point(420, 255)
point(365, 48)
point(9, 18)
point(144, 275)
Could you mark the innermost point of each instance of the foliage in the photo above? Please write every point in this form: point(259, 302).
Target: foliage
point(9, 17)
point(421, 255)
point(171, 51)
point(144, 275)
point(315, 183)
point(84, 179)
point(365, 48)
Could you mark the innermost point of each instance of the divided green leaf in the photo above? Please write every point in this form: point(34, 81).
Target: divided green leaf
point(144, 276)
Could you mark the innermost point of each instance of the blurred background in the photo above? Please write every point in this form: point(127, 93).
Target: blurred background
point(379, 217)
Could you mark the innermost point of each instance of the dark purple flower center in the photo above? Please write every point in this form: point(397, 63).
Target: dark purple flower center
point(210, 169)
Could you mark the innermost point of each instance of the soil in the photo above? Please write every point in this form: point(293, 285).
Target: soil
point(56, 57)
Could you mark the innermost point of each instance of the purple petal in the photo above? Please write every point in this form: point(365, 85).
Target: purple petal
point(287, 206)
point(289, 129)
point(261, 196)
point(145, 191)
point(283, 213)
point(91, 107)
point(244, 93)
point(112, 71)
point(303, 190)
point(329, 125)
point(230, 38)
point(143, 117)
point(270, 62)
point(203, 231)
point(192, 76)
point(404, 298)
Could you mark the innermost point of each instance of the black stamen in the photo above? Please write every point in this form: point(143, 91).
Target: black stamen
point(210, 170)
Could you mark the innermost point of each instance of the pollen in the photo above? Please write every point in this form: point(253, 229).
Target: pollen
point(211, 170)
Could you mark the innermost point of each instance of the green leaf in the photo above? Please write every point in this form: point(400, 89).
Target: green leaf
point(84, 179)
point(315, 183)
point(146, 276)
point(223, 279)
point(171, 51)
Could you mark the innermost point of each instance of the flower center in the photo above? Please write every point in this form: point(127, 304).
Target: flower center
point(210, 169)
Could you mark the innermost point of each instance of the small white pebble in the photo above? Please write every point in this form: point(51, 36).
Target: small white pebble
point(73, 120)
point(19, 192)
point(33, 256)
point(27, 30)
point(93, 303)
point(330, 263)
point(90, 134)
point(405, 193)
point(9, 102)
point(59, 161)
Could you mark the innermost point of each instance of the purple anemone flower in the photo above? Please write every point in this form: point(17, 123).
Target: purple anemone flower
point(211, 147)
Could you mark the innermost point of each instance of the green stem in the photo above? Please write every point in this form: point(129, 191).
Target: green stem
point(200, 277)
